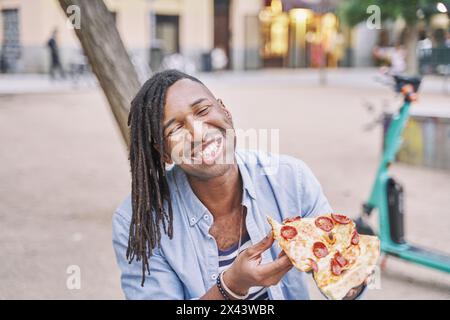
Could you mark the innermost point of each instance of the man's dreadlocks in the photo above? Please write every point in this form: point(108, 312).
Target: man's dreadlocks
point(149, 187)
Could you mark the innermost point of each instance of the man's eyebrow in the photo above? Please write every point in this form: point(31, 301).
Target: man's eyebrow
point(197, 101)
point(191, 105)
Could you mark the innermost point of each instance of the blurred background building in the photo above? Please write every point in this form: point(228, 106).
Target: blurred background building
point(253, 34)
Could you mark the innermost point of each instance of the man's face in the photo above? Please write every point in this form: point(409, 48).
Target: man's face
point(198, 131)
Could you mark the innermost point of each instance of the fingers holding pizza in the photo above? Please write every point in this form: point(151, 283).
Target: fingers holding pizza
point(355, 292)
point(247, 270)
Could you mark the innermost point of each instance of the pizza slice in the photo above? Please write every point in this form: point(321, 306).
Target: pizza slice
point(330, 247)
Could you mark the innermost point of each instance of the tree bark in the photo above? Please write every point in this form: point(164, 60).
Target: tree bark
point(411, 39)
point(107, 56)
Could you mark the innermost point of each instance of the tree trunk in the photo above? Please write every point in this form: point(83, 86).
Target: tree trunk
point(411, 39)
point(107, 56)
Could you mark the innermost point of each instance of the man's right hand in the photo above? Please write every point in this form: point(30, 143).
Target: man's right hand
point(247, 271)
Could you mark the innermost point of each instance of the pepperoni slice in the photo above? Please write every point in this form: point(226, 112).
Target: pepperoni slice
point(355, 238)
point(324, 223)
point(288, 232)
point(340, 259)
point(314, 265)
point(335, 268)
point(341, 219)
point(297, 218)
point(320, 250)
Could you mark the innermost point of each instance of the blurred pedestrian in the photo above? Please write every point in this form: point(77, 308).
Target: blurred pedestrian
point(219, 59)
point(398, 60)
point(424, 42)
point(424, 52)
point(55, 62)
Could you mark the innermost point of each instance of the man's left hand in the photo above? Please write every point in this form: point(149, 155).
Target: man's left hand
point(356, 291)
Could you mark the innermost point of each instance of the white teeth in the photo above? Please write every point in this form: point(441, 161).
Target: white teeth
point(210, 151)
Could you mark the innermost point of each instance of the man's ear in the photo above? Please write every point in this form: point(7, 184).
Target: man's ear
point(228, 114)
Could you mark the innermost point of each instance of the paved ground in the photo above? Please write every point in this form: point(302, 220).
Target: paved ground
point(64, 170)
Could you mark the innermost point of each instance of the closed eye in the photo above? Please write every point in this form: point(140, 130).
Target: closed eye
point(174, 129)
point(203, 111)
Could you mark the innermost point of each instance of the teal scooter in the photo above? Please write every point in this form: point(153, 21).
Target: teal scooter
point(387, 194)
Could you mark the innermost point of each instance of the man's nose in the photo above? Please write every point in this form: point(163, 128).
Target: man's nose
point(195, 128)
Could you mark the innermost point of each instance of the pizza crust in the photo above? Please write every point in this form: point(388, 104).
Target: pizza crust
point(358, 273)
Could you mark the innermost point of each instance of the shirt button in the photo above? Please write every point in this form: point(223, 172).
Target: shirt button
point(192, 220)
point(206, 217)
point(214, 276)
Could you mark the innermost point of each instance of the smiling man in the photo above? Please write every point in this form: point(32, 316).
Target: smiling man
point(199, 230)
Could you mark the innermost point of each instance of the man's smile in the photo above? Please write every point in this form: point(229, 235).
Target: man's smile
point(208, 151)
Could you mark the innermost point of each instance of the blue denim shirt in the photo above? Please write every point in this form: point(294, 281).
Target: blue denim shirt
point(186, 267)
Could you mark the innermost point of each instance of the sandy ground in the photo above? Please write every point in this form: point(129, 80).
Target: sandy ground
point(64, 169)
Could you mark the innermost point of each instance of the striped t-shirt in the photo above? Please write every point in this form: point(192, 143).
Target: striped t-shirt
point(226, 258)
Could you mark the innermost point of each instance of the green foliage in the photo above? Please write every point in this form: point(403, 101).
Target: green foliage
point(352, 12)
